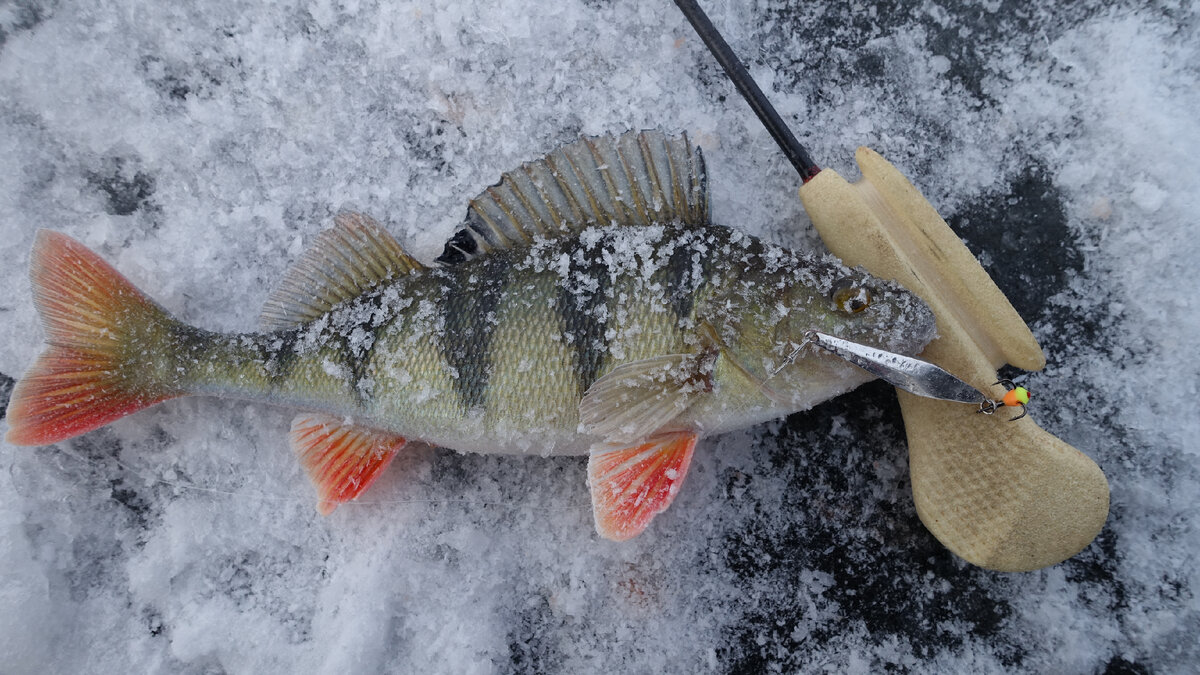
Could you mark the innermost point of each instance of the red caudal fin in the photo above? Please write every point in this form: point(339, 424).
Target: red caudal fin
point(631, 485)
point(342, 460)
point(102, 337)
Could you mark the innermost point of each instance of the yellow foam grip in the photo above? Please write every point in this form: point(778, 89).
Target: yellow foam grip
point(1003, 495)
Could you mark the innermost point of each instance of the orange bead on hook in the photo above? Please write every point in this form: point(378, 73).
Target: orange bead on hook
point(1015, 396)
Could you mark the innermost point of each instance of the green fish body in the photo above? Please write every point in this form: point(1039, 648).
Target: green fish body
point(588, 306)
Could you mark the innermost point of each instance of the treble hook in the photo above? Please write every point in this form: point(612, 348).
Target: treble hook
point(1014, 396)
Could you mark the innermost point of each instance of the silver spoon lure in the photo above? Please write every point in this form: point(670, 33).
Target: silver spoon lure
point(917, 377)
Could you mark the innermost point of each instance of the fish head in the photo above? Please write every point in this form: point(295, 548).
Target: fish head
point(856, 306)
point(778, 304)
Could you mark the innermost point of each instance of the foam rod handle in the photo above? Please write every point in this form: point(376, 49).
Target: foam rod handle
point(1003, 495)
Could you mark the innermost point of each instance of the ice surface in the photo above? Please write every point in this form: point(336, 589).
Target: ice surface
point(195, 144)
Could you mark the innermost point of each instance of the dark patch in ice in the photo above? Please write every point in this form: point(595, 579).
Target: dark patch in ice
point(968, 35)
point(199, 76)
point(259, 581)
point(533, 639)
point(6, 387)
point(128, 189)
point(820, 51)
point(861, 539)
point(100, 449)
point(130, 498)
point(154, 622)
point(1027, 245)
point(173, 81)
point(424, 140)
point(1096, 566)
point(118, 504)
point(1022, 236)
point(96, 565)
point(25, 15)
point(1120, 666)
point(92, 462)
point(235, 576)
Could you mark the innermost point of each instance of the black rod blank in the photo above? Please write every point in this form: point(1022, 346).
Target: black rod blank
point(749, 90)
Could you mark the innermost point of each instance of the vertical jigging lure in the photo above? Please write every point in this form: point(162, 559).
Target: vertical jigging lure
point(586, 306)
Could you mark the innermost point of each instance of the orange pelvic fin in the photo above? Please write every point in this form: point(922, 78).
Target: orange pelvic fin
point(630, 485)
point(341, 459)
point(101, 333)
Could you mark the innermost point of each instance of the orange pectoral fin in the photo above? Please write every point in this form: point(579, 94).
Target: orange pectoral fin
point(342, 460)
point(633, 484)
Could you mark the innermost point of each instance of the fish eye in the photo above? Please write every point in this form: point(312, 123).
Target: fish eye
point(850, 299)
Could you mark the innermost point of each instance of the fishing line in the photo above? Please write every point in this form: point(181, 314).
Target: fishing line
point(748, 88)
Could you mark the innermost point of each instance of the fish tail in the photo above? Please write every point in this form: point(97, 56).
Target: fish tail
point(107, 347)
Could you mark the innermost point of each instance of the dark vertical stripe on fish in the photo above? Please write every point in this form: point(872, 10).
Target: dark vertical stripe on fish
point(583, 308)
point(682, 278)
point(193, 348)
point(354, 338)
point(357, 359)
point(279, 361)
point(469, 306)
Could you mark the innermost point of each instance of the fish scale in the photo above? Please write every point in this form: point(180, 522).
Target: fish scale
point(502, 336)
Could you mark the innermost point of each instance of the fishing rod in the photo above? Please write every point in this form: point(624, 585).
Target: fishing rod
point(796, 153)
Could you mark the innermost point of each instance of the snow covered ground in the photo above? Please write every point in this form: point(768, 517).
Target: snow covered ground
point(200, 146)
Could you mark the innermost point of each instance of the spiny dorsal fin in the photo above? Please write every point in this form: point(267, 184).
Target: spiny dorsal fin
point(345, 260)
point(637, 178)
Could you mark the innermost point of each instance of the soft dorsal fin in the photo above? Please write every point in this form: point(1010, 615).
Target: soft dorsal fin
point(637, 178)
point(345, 260)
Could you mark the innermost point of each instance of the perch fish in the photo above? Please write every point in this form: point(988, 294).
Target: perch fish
point(587, 306)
